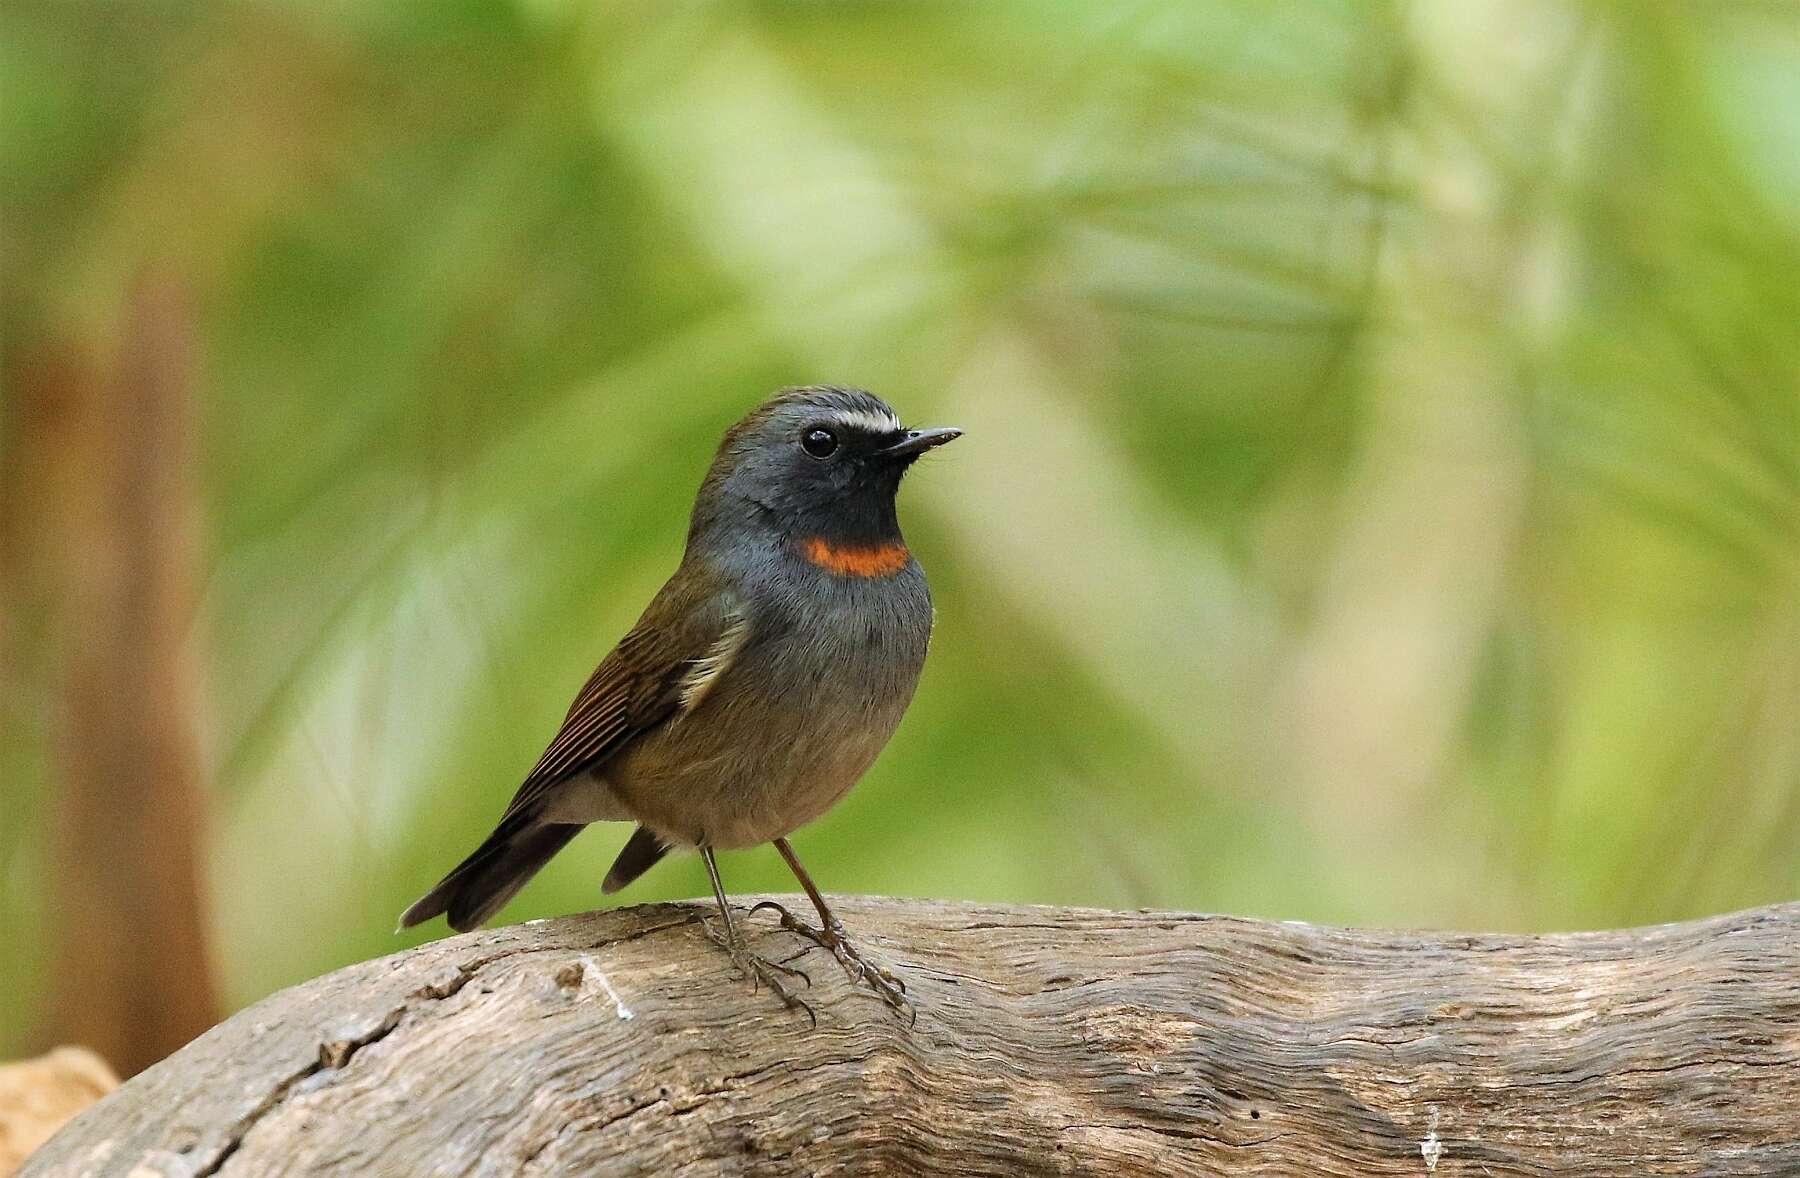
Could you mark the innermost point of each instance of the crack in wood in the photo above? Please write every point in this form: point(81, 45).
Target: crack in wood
point(336, 1054)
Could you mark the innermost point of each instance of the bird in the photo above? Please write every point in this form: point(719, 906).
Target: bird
point(758, 686)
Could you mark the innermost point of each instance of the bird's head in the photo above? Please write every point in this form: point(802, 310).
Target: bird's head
point(820, 462)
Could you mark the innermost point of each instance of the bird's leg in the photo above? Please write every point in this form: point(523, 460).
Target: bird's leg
point(830, 935)
point(749, 964)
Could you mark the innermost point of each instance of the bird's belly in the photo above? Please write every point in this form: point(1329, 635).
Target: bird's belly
point(775, 745)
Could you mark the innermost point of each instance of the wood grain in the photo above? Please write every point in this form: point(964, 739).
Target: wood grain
point(1049, 1041)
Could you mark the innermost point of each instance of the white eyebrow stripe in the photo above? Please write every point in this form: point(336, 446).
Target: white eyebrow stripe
point(868, 420)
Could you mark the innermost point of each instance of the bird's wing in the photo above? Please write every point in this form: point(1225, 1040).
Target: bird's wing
point(685, 641)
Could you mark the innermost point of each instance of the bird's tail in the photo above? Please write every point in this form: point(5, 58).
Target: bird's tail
point(482, 884)
point(639, 855)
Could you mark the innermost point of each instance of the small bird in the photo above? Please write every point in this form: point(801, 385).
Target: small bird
point(759, 685)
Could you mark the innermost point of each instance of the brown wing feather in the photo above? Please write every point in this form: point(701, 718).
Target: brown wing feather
point(689, 630)
point(664, 667)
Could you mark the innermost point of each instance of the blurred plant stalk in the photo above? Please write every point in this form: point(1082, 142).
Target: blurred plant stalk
point(1434, 507)
point(132, 976)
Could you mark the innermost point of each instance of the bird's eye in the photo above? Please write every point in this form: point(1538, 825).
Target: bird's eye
point(820, 443)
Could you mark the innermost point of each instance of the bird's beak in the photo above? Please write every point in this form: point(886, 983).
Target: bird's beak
point(917, 441)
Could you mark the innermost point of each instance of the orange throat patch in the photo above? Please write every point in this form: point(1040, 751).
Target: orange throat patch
point(856, 560)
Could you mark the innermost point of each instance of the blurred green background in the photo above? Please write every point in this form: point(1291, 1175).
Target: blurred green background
point(1381, 494)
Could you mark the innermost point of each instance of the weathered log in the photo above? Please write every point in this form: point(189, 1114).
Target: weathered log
point(1048, 1041)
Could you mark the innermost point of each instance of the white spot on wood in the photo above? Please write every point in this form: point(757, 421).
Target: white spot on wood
point(1572, 1019)
point(591, 969)
point(1431, 1149)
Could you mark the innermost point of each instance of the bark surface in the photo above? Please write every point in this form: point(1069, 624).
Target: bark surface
point(1048, 1041)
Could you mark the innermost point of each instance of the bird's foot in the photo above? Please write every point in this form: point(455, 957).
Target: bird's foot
point(889, 988)
point(761, 971)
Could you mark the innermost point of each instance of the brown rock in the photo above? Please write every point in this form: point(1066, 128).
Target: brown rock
point(38, 1096)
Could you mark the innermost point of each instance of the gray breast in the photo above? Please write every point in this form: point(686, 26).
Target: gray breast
point(812, 698)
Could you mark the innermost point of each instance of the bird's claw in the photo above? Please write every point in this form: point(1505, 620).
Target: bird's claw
point(761, 971)
point(887, 987)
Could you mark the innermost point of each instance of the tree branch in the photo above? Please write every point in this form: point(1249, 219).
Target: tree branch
point(1048, 1041)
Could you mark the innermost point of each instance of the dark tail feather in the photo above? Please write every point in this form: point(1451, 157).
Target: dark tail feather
point(482, 884)
point(638, 856)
